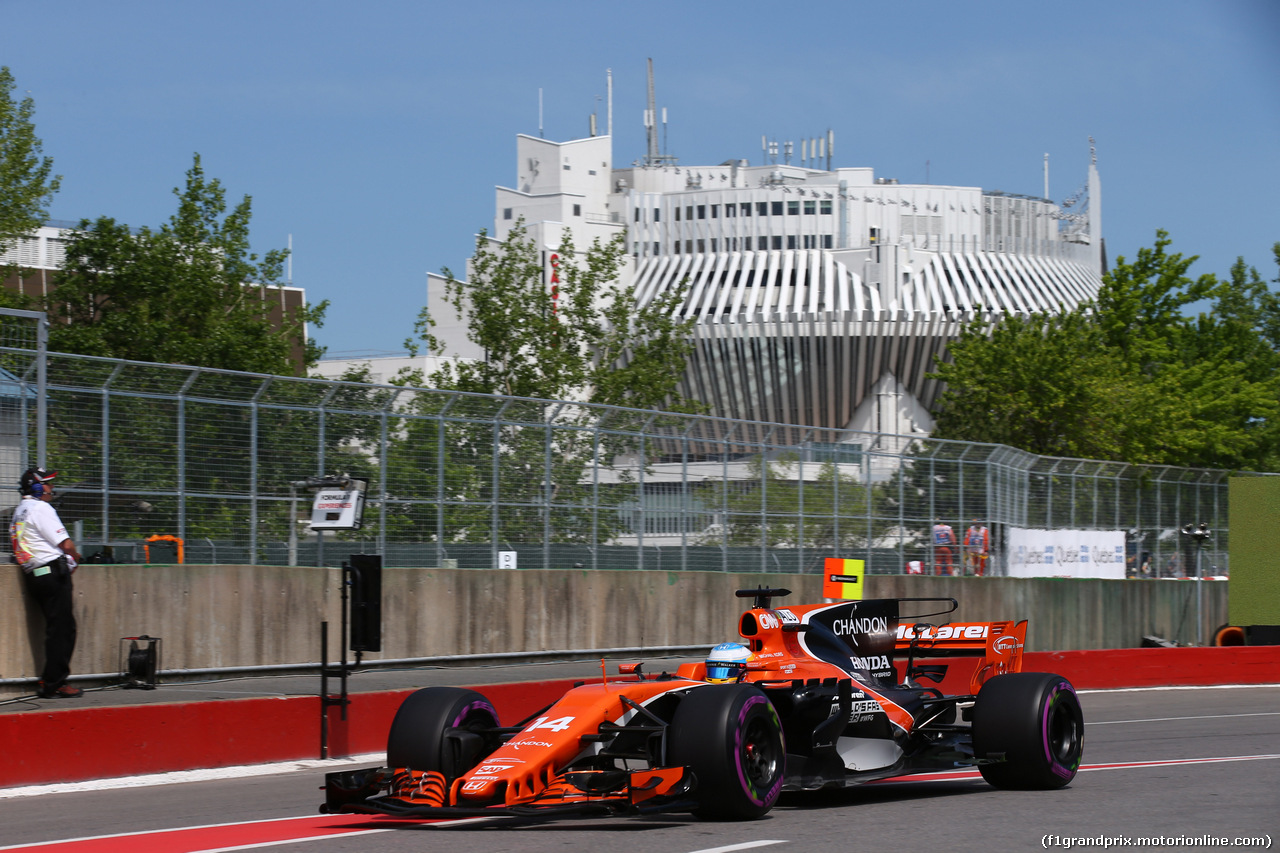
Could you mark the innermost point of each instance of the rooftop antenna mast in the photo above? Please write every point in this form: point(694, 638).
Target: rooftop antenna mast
point(653, 157)
point(650, 122)
point(608, 73)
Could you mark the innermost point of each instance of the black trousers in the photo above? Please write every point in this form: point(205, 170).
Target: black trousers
point(53, 593)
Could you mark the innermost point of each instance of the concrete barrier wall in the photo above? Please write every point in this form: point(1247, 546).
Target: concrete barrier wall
point(71, 743)
point(221, 616)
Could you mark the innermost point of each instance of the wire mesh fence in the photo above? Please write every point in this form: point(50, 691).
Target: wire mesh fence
point(211, 457)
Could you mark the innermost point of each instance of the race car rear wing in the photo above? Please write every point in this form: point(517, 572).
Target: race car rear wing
point(999, 644)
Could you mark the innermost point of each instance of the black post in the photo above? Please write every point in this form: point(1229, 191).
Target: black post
point(340, 672)
point(324, 690)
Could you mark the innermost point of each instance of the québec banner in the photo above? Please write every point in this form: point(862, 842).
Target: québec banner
point(1035, 553)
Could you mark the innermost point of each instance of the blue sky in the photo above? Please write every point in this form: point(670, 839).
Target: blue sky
point(374, 132)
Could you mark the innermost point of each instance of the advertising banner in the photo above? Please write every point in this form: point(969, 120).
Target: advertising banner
point(1037, 553)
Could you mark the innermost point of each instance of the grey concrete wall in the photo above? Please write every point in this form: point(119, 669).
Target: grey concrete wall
point(220, 616)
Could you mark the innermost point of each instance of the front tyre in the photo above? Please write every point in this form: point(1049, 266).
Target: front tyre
point(1033, 720)
point(731, 738)
point(447, 729)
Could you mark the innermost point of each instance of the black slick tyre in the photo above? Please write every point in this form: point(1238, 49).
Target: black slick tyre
point(730, 737)
point(1033, 721)
point(444, 729)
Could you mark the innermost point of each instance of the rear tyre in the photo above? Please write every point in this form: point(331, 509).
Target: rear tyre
point(731, 738)
point(443, 729)
point(1033, 720)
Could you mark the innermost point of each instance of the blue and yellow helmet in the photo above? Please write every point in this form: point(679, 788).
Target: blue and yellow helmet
point(727, 663)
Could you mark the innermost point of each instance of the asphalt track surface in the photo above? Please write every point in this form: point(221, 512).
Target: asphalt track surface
point(1193, 765)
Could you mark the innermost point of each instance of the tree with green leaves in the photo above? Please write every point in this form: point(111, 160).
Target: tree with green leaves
point(190, 292)
point(553, 326)
point(27, 182)
point(581, 337)
point(1129, 377)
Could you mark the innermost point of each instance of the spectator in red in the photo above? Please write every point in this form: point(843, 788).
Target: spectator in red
point(944, 540)
point(977, 544)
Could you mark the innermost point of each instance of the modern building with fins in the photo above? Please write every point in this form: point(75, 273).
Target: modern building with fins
point(821, 295)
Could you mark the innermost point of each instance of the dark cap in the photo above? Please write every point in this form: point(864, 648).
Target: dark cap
point(32, 476)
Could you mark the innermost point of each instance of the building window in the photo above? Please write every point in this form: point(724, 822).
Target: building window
point(762, 243)
point(566, 167)
point(702, 246)
point(688, 246)
point(810, 207)
point(715, 211)
point(506, 213)
point(577, 210)
point(637, 214)
point(791, 241)
point(730, 210)
point(777, 241)
point(827, 241)
point(591, 171)
point(688, 213)
point(810, 241)
point(746, 208)
point(762, 208)
point(657, 214)
point(713, 244)
point(824, 207)
point(776, 208)
point(657, 247)
point(793, 208)
point(702, 211)
point(676, 245)
point(677, 214)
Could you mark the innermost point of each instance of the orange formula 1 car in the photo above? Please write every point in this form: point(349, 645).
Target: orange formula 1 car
point(817, 703)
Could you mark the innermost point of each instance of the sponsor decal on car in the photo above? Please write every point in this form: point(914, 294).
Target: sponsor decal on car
point(945, 632)
point(489, 769)
point(874, 663)
point(517, 744)
point(1005, 645)
point(859, 712)
point(860, 625)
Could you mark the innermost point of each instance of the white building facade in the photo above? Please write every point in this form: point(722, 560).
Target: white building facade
point(822, 297)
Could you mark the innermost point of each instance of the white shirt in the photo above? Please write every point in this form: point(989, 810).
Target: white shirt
point(35, 533)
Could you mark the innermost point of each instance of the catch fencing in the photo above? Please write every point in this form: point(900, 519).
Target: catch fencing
point(214, 458)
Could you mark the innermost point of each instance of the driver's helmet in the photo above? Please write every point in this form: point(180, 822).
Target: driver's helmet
point(727, 663)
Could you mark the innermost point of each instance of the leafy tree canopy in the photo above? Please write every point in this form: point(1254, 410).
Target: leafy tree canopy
point(190, 292)
point(579, 337)
point(26, 181)
point(1131, 377)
